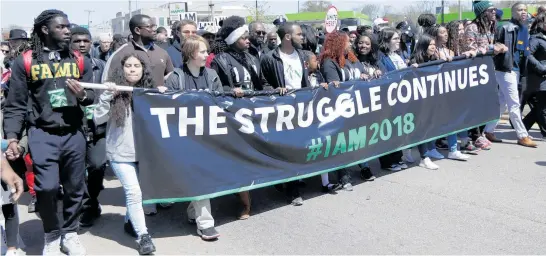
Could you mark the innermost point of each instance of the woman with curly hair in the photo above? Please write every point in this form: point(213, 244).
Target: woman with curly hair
point(116, 109)
point(338, 61)
point(339, 64)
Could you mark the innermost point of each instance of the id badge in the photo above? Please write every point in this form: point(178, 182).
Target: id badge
point(89, 111)
point(57, 98)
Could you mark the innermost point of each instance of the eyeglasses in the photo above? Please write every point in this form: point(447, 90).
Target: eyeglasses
point(153, 27)
point(188, 32)
point(5, 51)
point(262, 33)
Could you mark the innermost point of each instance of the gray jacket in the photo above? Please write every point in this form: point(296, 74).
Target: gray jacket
point(120, 141)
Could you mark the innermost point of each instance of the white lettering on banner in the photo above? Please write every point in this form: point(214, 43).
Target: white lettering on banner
point(446, 82)
point(162, 115)
point(346, 105)
point(215, 119)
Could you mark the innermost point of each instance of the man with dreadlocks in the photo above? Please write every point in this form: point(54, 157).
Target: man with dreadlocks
point(479, 37)
point(48, 74)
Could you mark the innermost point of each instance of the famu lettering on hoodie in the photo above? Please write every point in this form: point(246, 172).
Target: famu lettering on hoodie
point(54, 106)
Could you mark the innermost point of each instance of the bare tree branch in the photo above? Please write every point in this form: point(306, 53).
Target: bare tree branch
point(260, 12)
point(315, 6)
point(372, 10)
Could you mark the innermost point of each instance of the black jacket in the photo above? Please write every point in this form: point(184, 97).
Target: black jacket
point(507, 35)
point(536, 67)
point(273, 69)
point(43, 79)
point(223, 64)
point(333, 72)
point(100, 130)
point(176, 80)
point(255, 51)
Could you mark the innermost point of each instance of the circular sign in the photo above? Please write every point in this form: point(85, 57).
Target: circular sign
point(330, 23)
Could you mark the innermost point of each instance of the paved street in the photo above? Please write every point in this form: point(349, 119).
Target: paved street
point(493, 204)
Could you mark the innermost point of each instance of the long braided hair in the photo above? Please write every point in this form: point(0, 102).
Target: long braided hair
point(37, 37)
point(484, 24)
point(123, 100)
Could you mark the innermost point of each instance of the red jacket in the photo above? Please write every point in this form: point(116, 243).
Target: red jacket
point(209, 60)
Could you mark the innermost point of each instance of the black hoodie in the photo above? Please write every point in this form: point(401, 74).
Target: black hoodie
point(44, 78)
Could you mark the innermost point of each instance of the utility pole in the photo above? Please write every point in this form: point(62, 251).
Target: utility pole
point(129, 9)
point(88, 17)
point(256, 10)
point(298, 6)
point(211, 6)
point(442, 11)
point(460, 11)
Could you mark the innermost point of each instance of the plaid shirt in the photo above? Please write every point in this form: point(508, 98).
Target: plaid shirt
point(476, 41)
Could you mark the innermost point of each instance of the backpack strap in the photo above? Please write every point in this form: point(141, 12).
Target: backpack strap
point(80, 61)
point(27, 61)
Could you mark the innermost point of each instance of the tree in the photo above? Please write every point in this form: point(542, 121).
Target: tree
point(315, 6)
point(372, 10)
point(258, 12)
point(417, 8)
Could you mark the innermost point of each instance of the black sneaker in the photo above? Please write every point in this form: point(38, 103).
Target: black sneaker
point(145, 245)
point(366, 174)
point(208, 234)
point(32, 205)
point(442, 144)
point(331, 188)
point(89, 216)
point(128, 227)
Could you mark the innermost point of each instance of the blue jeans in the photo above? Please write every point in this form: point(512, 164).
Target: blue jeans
point(452, 140)
point(127, 174)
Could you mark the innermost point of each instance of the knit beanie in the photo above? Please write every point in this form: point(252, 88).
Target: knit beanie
point(481, 6)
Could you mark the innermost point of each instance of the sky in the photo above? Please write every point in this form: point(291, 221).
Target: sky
point(22, 12)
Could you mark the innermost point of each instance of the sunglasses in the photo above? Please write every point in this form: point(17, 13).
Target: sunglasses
point(5, 51)
point(262, 33)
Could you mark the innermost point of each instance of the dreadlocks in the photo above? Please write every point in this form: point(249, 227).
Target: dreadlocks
point(485, 25)
point(37, 38)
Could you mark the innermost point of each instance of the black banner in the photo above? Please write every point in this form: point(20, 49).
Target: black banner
point(196, 145)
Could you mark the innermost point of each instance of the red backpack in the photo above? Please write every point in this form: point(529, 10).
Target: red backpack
point(27, 60)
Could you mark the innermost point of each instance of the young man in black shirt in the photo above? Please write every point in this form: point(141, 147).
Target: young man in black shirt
point(95, 135)
point(48, 75)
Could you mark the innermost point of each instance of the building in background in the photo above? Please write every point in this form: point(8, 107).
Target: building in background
point(166, 14)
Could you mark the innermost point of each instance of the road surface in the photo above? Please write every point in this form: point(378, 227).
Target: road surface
point(493, 204)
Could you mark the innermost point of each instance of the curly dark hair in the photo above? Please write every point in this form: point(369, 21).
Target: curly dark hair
point(122, 100)
point(538, 23)
point(310, 41)
point(218, 46)
point(454, 41)
point(334, 48)
point(37, 37)
point(373, 56)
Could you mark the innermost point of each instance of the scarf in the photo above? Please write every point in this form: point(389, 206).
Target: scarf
point(522, 43)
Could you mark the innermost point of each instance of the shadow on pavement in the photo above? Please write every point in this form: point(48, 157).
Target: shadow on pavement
point(110, 226)
point(33, 236)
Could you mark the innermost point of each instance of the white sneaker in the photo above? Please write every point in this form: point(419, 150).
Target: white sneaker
point(12, 253)
point(435, 154)
point(407, 157)
point(52, 244)
point(71, 244)
point(457, 155)
point(427, 163)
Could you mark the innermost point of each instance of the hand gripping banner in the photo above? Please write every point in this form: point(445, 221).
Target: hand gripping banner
point(196, 145)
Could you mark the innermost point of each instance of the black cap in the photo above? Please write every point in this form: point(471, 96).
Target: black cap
point(17, 34)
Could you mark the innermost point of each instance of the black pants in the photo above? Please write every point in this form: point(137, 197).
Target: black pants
point(96, 163)
point(58, 156)
point(387, 161)
point(537, 104)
